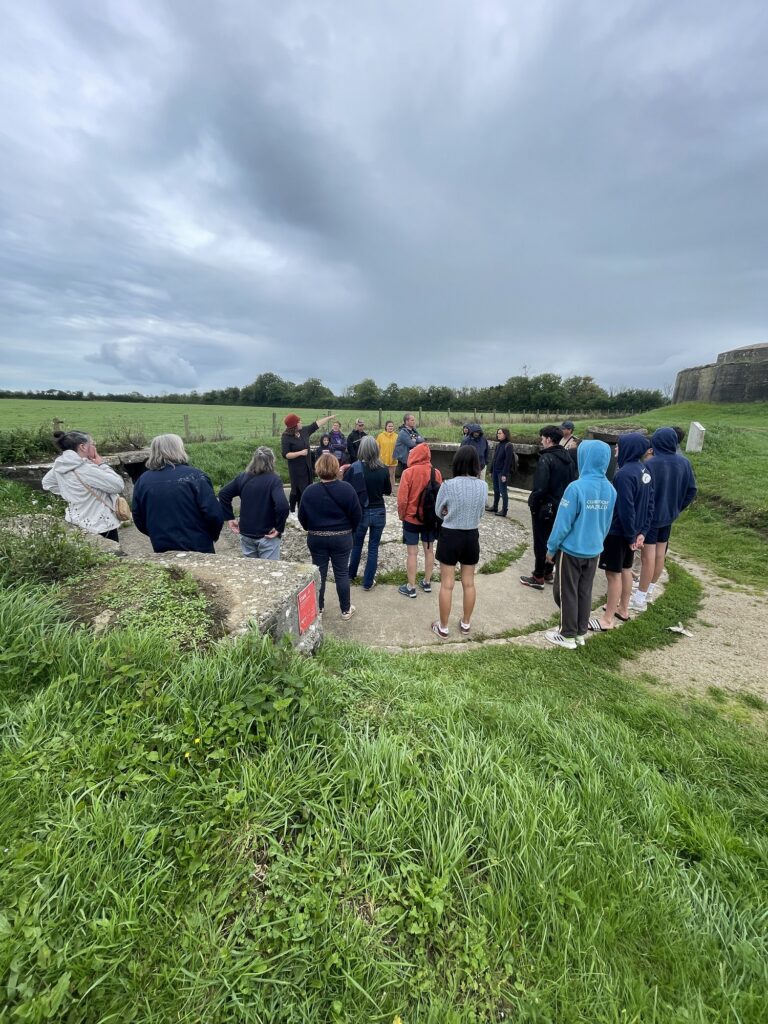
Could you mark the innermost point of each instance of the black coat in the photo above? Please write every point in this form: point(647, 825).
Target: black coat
point(353, 443)
point(555, 470)
point(300, 471)
point(177, 509)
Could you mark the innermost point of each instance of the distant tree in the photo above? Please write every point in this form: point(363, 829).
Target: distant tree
point(365, 395)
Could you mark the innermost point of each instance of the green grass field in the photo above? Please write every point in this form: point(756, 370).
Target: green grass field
point(239, 834)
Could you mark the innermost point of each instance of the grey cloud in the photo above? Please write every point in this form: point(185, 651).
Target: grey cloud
point(442, 194)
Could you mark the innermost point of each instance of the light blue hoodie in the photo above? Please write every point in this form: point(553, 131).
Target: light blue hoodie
point(584, 515)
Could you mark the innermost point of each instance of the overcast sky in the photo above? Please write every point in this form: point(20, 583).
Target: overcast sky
point(443, 192)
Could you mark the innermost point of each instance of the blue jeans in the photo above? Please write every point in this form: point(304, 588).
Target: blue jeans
point(374, 519)
point(500, 491)
point(336, 550)
point(264, 547)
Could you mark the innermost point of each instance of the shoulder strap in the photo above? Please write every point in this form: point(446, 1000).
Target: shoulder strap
point(93, 492)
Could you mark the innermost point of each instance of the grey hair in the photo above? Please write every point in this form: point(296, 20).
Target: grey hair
point(166, 450)
point(368, 452)
point(263, 461)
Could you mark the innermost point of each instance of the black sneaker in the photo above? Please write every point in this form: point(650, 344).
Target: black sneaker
point(550, 579)
point(534, 582)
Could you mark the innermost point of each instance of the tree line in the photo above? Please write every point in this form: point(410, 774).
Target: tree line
point(516, 394)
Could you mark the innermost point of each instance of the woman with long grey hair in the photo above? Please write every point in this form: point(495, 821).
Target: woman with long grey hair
point(263, 506)
point(377, 482)
point(173, 502)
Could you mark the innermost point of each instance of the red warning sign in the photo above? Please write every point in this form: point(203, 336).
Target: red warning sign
point(307, 607)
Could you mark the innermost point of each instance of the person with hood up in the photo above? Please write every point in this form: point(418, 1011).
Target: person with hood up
point(554, 471)
point(630, 524)
point(88, 485)
point(674, 488)
point(417, 475)
point(476, 439)
point(582, 522)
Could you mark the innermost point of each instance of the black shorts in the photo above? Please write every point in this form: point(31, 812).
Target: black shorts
point(658, 534)
point(462, 546)
point(617, 554)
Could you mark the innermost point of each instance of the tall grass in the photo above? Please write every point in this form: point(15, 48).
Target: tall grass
point(245, 835)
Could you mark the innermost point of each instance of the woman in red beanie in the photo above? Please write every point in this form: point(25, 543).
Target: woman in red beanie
point(297, 452)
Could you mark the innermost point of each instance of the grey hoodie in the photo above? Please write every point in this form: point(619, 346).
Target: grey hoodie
point(83, 508)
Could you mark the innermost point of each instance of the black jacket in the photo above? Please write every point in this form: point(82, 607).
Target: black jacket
point(555, 470)
point(263, 504)
point(353, 443)
point(300, 470)
point(504, 459)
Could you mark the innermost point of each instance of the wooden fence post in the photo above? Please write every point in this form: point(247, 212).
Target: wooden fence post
point(274, 424)
point(380, 423)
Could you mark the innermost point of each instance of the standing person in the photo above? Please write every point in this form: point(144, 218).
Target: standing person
point(569, 441)
point(476, 439)
point(173, 502)
point(503, 466)
point(88, 485)
point(576, 540)
point(630, 524)
point(297, 452)
point(263, 507)
point(338, 442)
point(377, 483)
point(386, 441)
point(410, 504)
point(674, 488)
point(354, 439)
point(407, 439)
point(330, 513)
point(460, 503)
point(555, 470)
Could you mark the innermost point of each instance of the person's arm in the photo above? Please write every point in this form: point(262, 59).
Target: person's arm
point(625, 504)
point(540, 487)
point(506, 466)
point(101, 478)
point(137, 509)
point(279, 504)
point(319, 423)
point(304, 504)
point(403, 494)
point(690, 494)
point(387, 488)
point(355, 512)
point(226, 494)
point(210, 509)
point(649, 514)
point(50, 482)
point(566, 514)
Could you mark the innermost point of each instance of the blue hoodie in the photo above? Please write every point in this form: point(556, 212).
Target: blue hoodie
point(585, 510)
point(476, 439)
point(634, 489)
point(674, 485)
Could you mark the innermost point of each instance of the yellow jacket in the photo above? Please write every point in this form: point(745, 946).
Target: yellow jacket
point(386, 443)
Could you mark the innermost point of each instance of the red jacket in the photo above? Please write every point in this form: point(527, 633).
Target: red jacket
point(413, 481)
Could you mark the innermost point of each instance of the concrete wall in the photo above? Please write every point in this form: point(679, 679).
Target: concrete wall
point(738, 376)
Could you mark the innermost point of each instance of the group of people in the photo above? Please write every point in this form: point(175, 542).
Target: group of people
point(579, 519)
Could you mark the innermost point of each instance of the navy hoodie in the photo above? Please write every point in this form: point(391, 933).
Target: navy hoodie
point(674, 485)
point(476, 439)
point(633, 512)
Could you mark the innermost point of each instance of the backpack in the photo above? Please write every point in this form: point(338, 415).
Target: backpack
point(427, 504)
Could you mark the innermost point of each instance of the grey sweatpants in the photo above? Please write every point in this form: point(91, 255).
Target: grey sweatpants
point(573, 592)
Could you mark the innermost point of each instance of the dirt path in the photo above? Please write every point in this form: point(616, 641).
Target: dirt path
point(729, 646)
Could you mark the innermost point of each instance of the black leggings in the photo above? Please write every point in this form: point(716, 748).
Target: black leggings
point(111, 535)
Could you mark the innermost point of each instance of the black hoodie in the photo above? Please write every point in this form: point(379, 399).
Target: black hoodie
point(555, 470)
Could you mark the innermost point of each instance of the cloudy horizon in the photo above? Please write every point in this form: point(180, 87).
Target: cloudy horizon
point(193, 194)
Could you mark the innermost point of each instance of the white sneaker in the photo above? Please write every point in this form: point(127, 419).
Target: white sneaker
point(556, 637)
point(349, 614)
point(581, 639)
point(638, 603)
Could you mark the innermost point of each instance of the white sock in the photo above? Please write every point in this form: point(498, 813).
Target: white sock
point(651, 588)
point(641, 595)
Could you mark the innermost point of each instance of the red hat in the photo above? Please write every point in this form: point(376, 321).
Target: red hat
point(291, 421)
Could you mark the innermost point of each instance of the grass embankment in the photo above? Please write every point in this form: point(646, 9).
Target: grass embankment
point(245, 835)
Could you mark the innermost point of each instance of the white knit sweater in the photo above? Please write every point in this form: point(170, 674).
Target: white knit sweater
point(461, 502)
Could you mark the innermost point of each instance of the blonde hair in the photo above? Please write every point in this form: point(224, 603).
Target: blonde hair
point(327, 466)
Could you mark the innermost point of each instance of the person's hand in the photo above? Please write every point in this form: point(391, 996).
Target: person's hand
point(272, 534)
point(638, 543)
point(234, 526)
point(503, 479)
point(550, 557)
point(93, 456)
